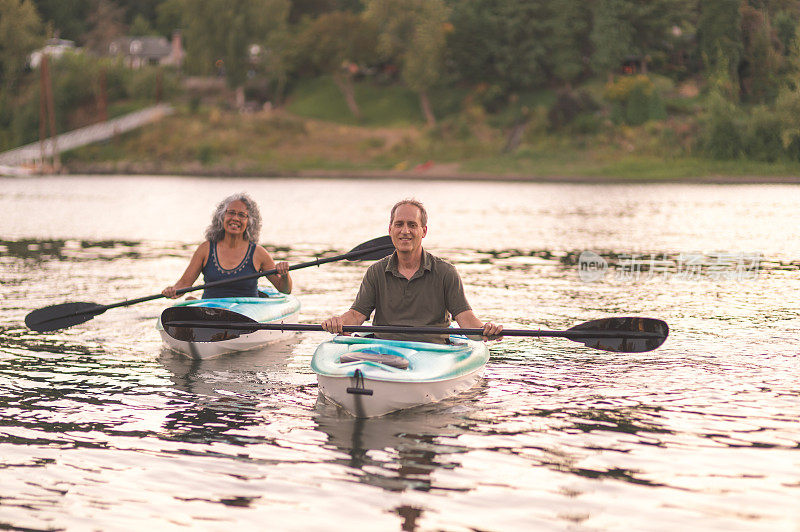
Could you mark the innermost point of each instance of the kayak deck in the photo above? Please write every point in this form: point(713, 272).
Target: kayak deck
point(425, 362)
point(370, 377)
point(276, 307)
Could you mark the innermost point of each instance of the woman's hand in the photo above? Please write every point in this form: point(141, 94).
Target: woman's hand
point(170, 292)
point(283, 269)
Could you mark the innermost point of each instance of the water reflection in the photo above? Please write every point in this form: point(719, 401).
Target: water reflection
point(656, 261)
point(223, 395)
point(58, 392)
point(41, 250)
point(400, 451)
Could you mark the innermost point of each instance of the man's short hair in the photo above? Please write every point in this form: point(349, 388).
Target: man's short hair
point(423, 214)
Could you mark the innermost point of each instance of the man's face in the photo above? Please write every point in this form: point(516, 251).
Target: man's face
point(406, 228)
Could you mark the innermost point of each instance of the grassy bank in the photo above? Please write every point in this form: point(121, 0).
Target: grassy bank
point(316, 134)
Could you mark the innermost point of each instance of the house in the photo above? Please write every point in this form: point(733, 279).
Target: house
point(53, 48)
point(149, 50)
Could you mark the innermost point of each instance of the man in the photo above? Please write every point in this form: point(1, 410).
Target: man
point(411, 287)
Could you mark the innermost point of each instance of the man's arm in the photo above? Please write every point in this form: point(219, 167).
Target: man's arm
point(468, 320)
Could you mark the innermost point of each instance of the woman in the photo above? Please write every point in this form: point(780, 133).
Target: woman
point(231, 251)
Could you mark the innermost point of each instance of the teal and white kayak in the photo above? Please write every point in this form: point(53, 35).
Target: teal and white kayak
point(370, 377)
point(276, 307)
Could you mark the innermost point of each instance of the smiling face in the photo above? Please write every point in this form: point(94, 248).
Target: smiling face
point(234, 221)
point(406, 228)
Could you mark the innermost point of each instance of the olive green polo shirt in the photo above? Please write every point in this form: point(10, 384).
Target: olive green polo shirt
point(432, 296)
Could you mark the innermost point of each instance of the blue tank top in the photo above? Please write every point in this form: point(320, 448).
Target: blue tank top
point(212, 271)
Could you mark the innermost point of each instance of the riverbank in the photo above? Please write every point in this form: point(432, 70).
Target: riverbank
point(279, 144)
point(445, 173)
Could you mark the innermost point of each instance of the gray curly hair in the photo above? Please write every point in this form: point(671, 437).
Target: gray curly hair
point(216, 231)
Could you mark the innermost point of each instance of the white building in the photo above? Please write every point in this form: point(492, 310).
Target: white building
point(54, 48)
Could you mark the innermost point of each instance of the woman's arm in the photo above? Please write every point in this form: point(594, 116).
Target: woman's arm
point(192, 271)
point(263, 261)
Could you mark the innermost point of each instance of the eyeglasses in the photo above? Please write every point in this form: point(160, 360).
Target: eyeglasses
point(237, 214)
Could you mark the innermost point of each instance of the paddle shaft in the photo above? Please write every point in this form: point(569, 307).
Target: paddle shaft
point(350, 255)
point(391, 329)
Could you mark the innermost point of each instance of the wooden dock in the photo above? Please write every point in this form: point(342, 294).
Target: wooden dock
point(25, 159)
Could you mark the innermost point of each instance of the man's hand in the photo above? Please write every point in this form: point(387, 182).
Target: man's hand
point(333, 325)
point(492, 331)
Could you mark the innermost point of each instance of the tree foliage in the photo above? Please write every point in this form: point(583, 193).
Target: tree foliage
point(499, 43)
point(719, 36)
point(568, 40)
point(65, 18)
point(20, 34)
point(630, 29)
point(341, 44)
point(412, 33)
point(612, 35)
point(219, 33)
point(743, 55)
point(106, 23)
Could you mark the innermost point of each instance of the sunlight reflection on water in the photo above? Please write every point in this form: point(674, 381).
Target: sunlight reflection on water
point(101, 428)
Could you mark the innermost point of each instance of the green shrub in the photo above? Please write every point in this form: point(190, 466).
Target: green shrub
point(569, 105)
point(620, 90)
point(205, 154)
point(194, 105)
point(762, 135)
point(287, 125)
point(637, 107)
point(635, 100)
point(787, 107)
point(586, 124)
point(144, 84)
point(722, 136)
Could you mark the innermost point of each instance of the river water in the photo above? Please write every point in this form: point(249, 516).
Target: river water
point(102, 429)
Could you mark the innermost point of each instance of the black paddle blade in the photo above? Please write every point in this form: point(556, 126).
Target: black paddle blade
point(202, 334)
point(623, 335)
point(384, 242)
point(61, 316)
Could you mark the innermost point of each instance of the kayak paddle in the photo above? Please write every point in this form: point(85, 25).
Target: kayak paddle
point(65, 315)
point(621, 335)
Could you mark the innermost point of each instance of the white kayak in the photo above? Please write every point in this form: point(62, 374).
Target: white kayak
point(202, 343)
point(368, 377)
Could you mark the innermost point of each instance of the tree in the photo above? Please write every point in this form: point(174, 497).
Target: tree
point(310, 9)
point(634, 29)
point(499, 44)
point(719, 36)
point(568, 42)
point(340, 44)
point(413, 32)
point(107, 23)
point(141, 26)
point(612, 35)
point(761, 60)
point(20, 33)
point(67, 18)
point(219, 33)
point(785, 30)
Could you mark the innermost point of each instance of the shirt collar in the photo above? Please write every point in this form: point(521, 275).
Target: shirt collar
point(391, 266)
